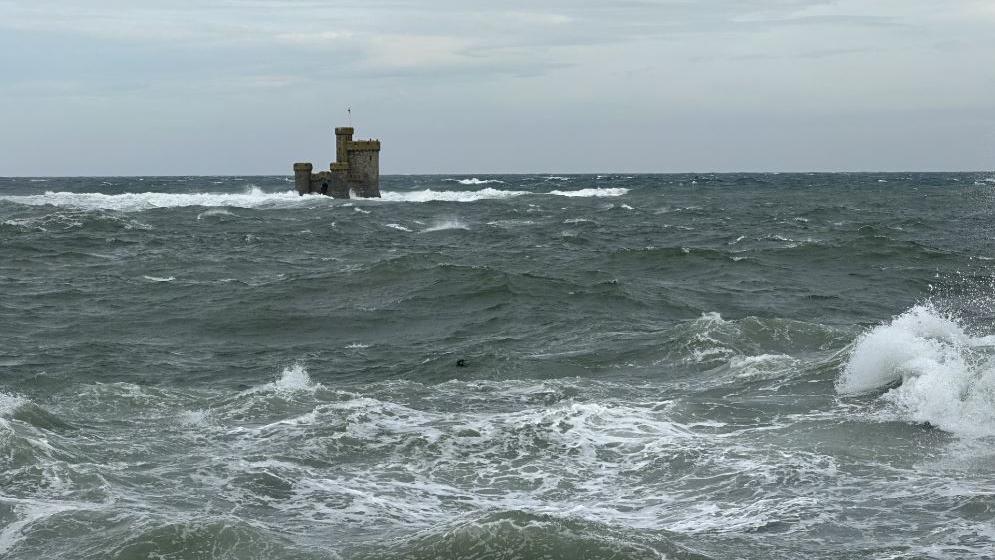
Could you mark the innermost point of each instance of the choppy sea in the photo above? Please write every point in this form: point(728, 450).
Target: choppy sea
point(650, 366)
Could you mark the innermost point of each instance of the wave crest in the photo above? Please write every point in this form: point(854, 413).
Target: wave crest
point(137, 202)
point(947, 378)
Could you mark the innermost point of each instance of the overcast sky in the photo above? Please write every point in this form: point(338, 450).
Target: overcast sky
point(137, 87)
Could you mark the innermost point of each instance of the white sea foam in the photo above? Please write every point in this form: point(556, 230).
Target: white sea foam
point(475, 181)
point(195, 417)
point(946, 375)
point(214, 212)
point(429, 195)
point(595, 192)
point(441, 225)
point(398, 227)
point(135, 202)
point(257, 198)
point(159, 279)
point(762, 366)
point(294, 378)
point(10, 403)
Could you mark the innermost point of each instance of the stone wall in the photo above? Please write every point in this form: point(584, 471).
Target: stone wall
point(302, 177)
point(364, 168)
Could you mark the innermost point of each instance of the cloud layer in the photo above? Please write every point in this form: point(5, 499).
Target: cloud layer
point(246, 86)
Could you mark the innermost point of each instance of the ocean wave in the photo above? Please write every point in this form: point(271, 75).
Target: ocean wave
point(136, 202)
point(10, 403)
point(595, 192)
point(214, 212)
point(522, 534)
point(442, 225)
point(475, 181)
point(256, 198)
point(429, 195)
point(945, 375)
point(292, 379)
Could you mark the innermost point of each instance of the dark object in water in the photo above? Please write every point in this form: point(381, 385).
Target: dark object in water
point(461, 363)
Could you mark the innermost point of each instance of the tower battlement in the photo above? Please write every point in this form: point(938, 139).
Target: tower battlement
point(356, 169)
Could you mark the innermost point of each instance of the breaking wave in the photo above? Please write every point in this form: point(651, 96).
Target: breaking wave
point(429, 195)
point(442, 225)
point(136, 202)
point(257, 198)
point(475, 181)
point(945, 375)
point(596, 192)
point(490, 193)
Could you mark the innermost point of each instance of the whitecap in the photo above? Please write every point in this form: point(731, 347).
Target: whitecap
point(200, 417)
point(946, 375)
point(159, 279)
point(475, 181)
point(10, 403)
point(214, 212)
point(398, 227)
point(595, 192)
point(429, 195)
point(137, 202)
point(294, 378)
point(442, 225)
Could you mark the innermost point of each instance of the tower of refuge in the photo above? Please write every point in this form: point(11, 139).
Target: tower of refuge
point(356, 169)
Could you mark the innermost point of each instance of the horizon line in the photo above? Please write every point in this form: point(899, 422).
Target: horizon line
point(517, 173)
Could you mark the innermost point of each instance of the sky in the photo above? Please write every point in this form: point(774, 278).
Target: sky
point(190, 87)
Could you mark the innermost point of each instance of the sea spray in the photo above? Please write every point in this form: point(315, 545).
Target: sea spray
point(945, 376)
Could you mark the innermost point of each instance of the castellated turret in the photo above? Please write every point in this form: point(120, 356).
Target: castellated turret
point(356, 169)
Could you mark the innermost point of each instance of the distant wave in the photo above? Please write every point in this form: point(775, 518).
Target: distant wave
point(256, 198)
point(489, 193)
point(429, 195)
point(442, 225)
point(134, 202)
point(597, 192)
point(475, 181)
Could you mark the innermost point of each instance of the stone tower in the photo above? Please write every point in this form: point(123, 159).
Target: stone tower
point(356, 169)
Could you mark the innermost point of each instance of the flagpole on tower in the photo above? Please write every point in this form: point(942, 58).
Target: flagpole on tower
point(349, 111)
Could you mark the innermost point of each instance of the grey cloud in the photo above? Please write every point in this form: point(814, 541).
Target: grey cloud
point(493, 83)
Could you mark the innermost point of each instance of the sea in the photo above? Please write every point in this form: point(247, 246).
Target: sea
point(618, 366)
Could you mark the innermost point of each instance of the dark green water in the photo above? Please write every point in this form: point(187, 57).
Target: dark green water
point(729, 366)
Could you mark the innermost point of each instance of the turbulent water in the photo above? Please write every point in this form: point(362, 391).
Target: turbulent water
point(672, 366)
